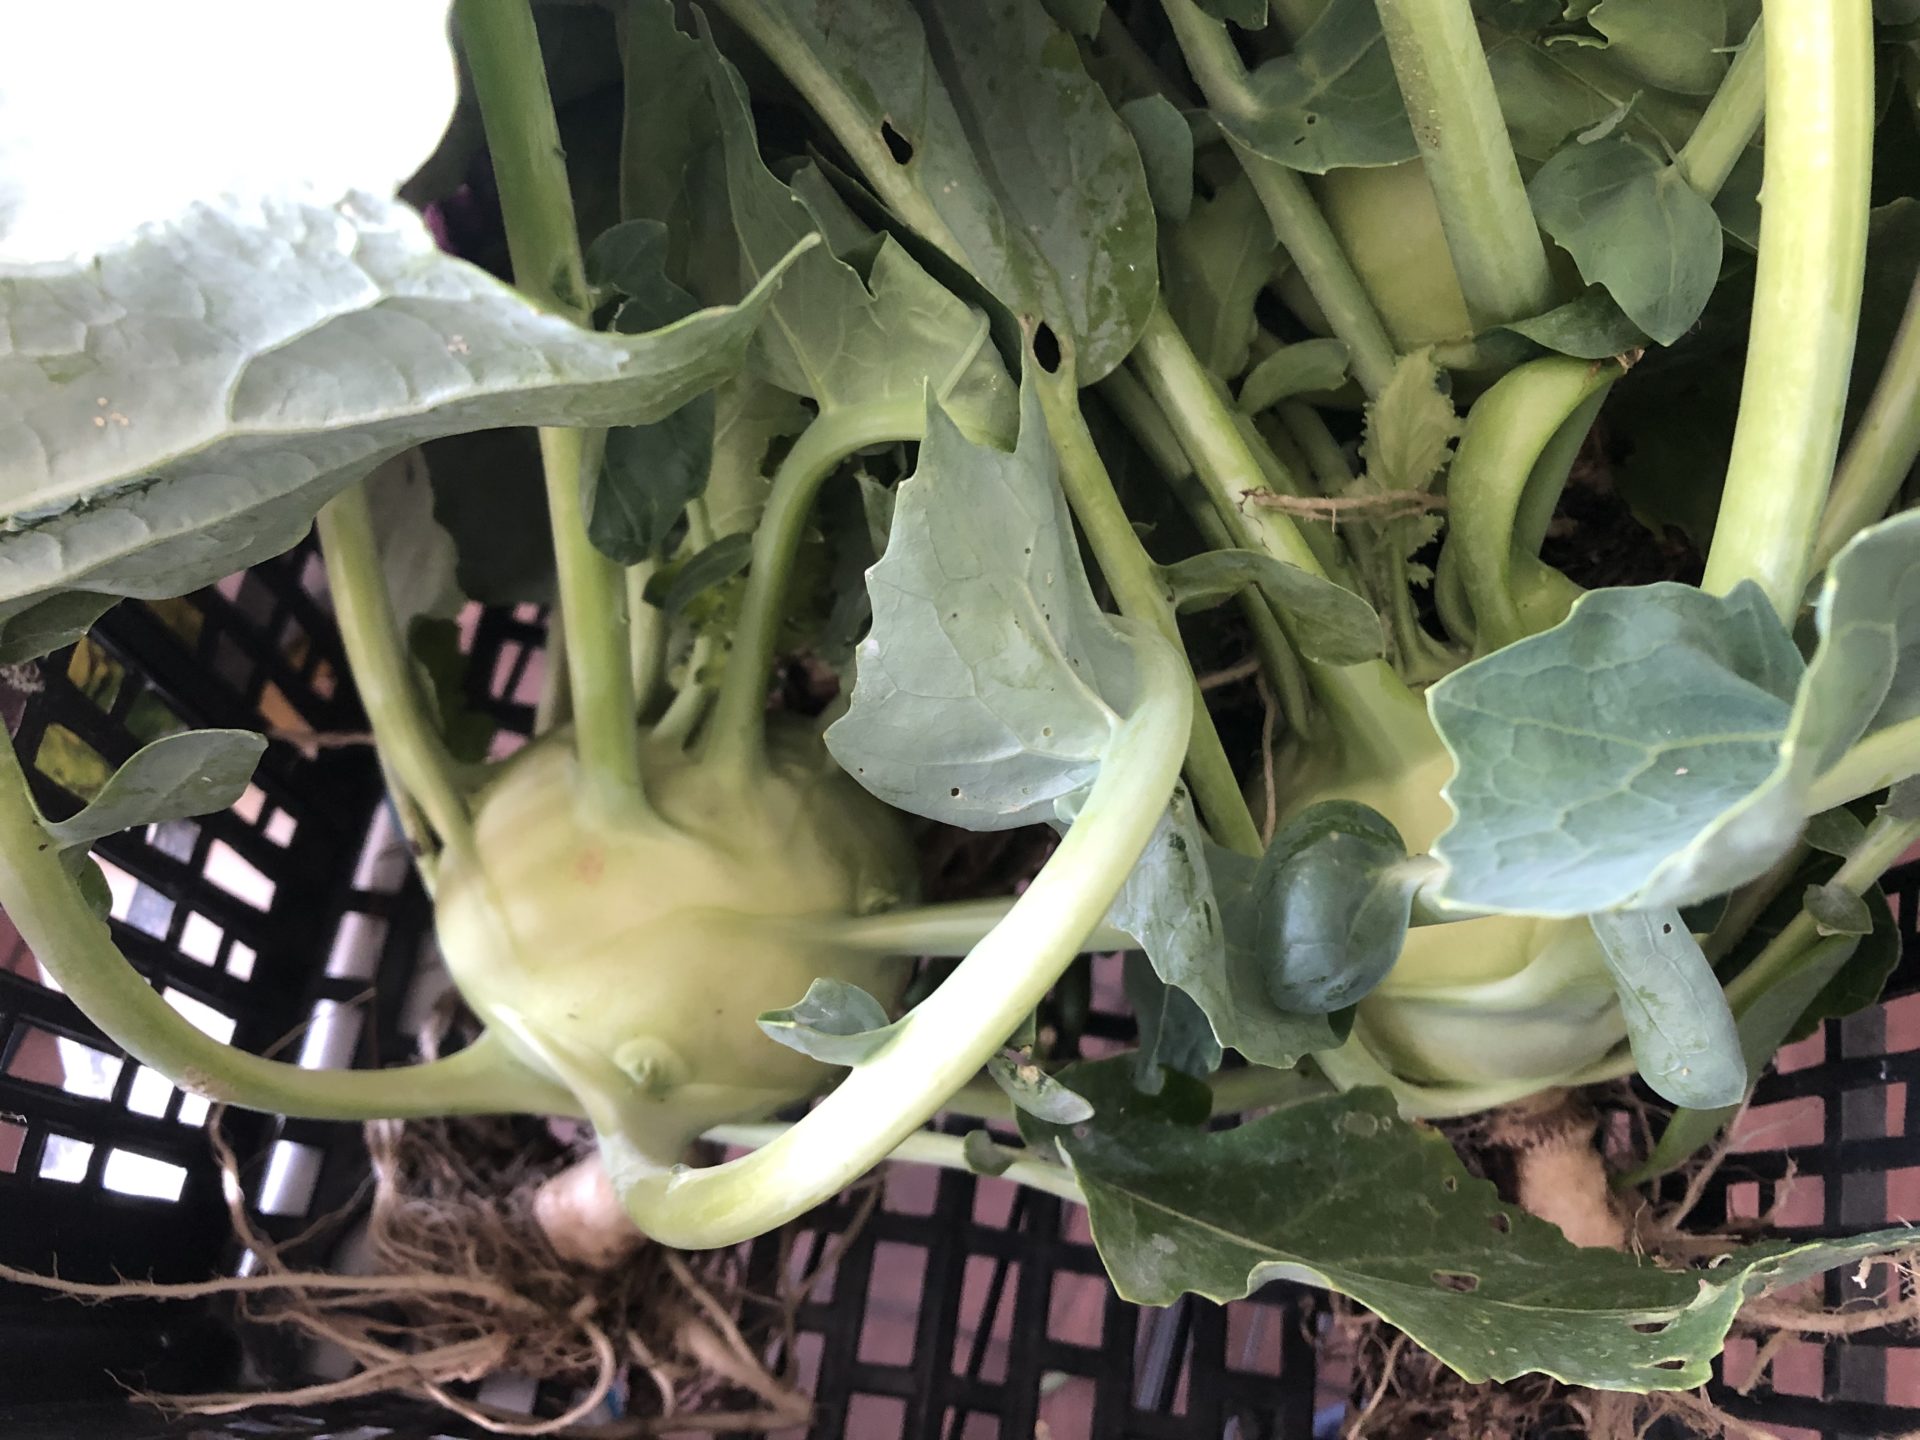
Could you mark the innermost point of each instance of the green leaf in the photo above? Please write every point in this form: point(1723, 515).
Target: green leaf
point(441, 665)
point(1331, 101)
point(839, 340)
point(648, 475)
point(416, 554)
point(89, 879)
point(961, 89)
point(1328, 622)
point(1837, 977)
point(1218, 260)
point(981, 696)
point(186, 774)
point(1333, 896)
point(1635, 226)
point(51, 624)
point(489, 494)
point(1174, 1034)
point(1678, 1021)
point(1383, 1211)
point(1297, 369)
point(322, 341)
point(835, 1022)
point(1247, 14)
point(1837, 911)
point(1677, 45)
point(1191, 906)
point(1108, 1086)
point(983, 1156)
point(678, 585)
point(1166, 152)
point(1410, 428)
point(1591, 326)
point(1835, 832)
point(1622, 759)
point(1035, 1092)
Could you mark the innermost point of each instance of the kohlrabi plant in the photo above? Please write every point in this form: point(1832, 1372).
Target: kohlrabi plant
point(1010, 368)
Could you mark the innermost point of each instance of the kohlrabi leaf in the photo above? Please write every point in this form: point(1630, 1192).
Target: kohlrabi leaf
point(648, 473)
point(990, 684)
point(1328, 622)
point(1036, 1093)
point(1410, 428)
point(835, 338)
point(1109, 1087)
point(416, 554)
point(1621, 760)
point(675, 587)
point(1591, 326)
point(1165, 141)
point(1342, 1193)
point(1330, 101)
point(89, 879)
point(838, 1023)
point(1634, 225)
point(1678, 1021)
point(187, 774)
point(489, 494)
point(1332, 897)
point(984, 1156)
point(240, 325)
point(1190, 905)
point(961, 92)
point(1219, 258)
point(1174, 1033)
point(1835, 977)
point(1676, 45)
point(1297, 369)
point(304, 345)
point(47, 625)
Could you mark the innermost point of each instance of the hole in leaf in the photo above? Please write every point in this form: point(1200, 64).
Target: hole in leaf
point(1450, 1183)
point(1502, 1222)
point(1046, 348)
point(1651, 1327)
point(898, 146)
point(1457, 1281)
point(1671, 1365)
point(1666, 929)
point(954, 792)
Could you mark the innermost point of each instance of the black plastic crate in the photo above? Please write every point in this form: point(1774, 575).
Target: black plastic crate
point(962, 1309)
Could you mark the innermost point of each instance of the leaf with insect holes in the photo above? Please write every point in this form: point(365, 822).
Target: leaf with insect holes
point(962, 92)
point(1341, 1193)
point(834, 1022)
point(1685, 1043)
point(193, 773)
point(991, 683)
point(1330, 101)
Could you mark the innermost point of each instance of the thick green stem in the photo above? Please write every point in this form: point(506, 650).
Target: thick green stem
point(1296, 220)
point(1518, 443)
point(1141, 595)
point(1883, 450)
point(953, 928)
point(945, 1041)
point(1887, 839)
point(502, 50)
point(1484, 212)
point(1377, 718)
point(1883, 758)
point(410, 747)
point(1806, 305)
point(647, 638)
point(75, 947)
point(736, 734)
point(925, 1147)
point(1731, 121)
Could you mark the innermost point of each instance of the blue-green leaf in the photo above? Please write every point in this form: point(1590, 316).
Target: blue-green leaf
point(1341, 1193)
point(1331, 101)
point(1678, 1021)
point(1634, 225)
point(1328, 622)
point(1174, 1033)
point(1037, 1093)
point(1677, 45)
point(1591, 326)
point(1623, 759)
point(990, 684)
point(187, 774)
point(1333, 897)
point(838, 1023)
point(1166, 152)
point(1297, 369)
